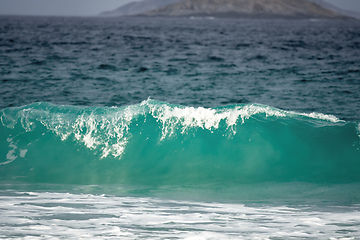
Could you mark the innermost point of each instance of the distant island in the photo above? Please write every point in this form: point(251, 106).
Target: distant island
point(231, 8)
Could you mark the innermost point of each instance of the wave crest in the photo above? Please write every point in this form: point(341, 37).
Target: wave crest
point(158, 142)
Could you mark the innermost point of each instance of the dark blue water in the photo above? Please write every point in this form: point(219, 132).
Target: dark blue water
point(302, 65)
point(160, 128)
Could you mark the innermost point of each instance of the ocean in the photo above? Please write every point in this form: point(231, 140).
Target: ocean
point(179, 128)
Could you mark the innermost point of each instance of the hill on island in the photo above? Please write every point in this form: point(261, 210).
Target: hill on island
point(245, 8)
point(138, 7)
point(331, 7)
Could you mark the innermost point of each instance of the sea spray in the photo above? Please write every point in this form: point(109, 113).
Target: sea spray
point(158, 143)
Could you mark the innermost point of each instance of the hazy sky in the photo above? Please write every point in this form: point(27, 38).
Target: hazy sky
point(93, 7)
point(58, 7)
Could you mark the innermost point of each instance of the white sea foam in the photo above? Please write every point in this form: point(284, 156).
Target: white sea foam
point(10, 156)
point(23, 153)
point(205, 118)
point(47, 215)
point(105, 131)
point(209, 118)
point(321, 116)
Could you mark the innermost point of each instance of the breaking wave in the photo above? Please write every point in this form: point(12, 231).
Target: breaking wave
point(159, 143)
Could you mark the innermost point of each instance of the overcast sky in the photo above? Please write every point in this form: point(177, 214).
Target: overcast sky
point(94, 7)
point(58, 7)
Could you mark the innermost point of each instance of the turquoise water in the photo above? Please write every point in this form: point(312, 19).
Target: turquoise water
point(157, 143)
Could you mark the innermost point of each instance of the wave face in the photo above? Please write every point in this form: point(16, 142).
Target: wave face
point(157, 143)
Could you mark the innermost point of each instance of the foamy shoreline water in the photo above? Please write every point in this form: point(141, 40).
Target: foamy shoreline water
point(44, 215)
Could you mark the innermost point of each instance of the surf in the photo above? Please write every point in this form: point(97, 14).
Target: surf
point(158, 143)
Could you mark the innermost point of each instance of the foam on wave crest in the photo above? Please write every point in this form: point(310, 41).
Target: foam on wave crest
point(108, 128)
point(250, 140)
